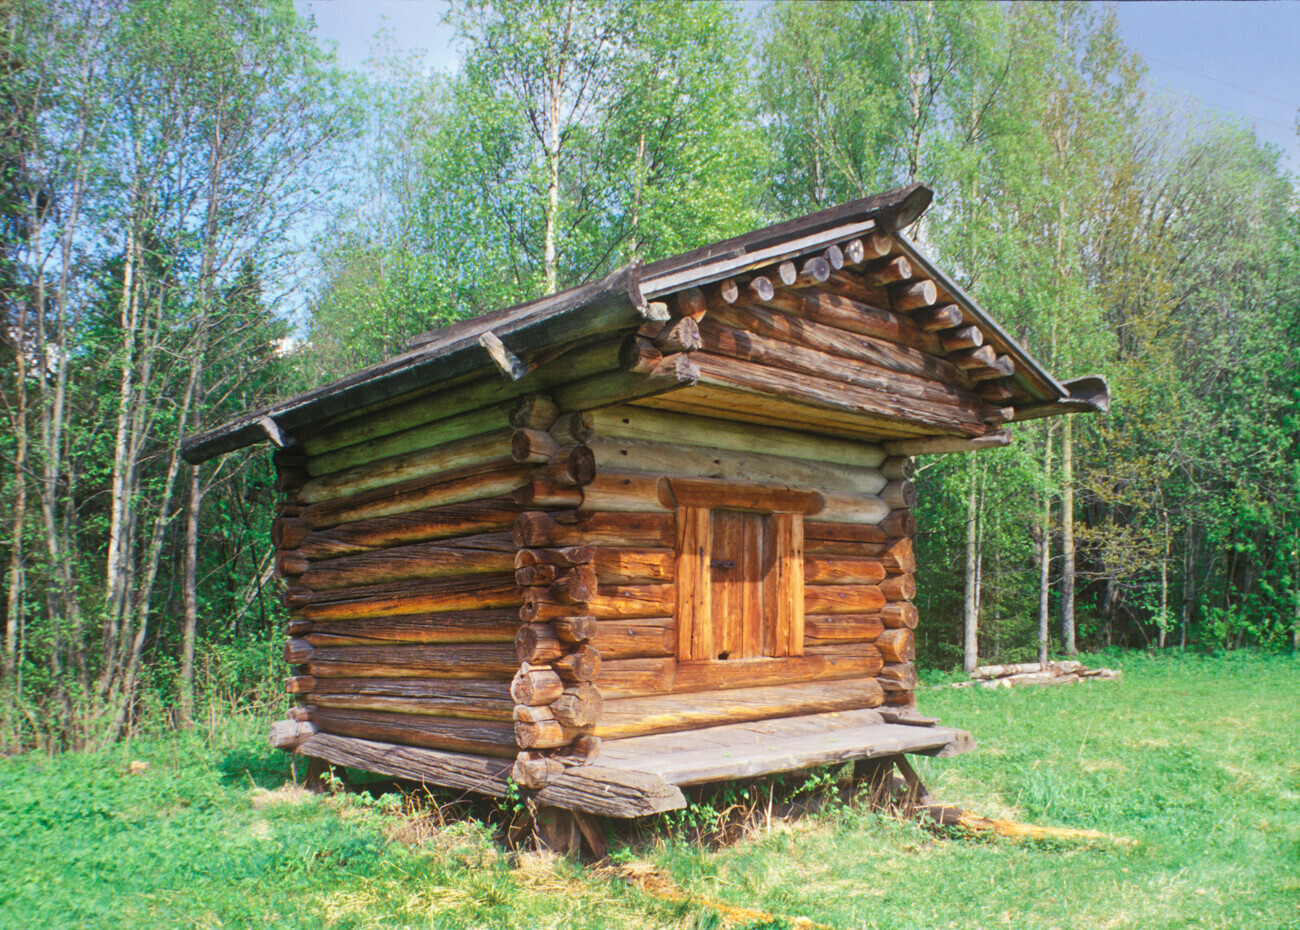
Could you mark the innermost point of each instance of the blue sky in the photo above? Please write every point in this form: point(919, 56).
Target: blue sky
point(1239, 58)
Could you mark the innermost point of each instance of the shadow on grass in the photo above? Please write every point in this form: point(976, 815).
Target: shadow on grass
point(267, 769)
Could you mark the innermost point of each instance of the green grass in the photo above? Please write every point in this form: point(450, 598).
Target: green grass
point(1197, 760)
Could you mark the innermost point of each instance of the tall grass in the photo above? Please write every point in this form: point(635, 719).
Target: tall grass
point(1195, 759)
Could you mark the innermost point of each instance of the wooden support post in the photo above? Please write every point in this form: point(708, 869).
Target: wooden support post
point(316, 769)
point(557, 830)
point(875, 777)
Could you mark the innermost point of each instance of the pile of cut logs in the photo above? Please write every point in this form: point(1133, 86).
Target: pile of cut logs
point(1032, 673)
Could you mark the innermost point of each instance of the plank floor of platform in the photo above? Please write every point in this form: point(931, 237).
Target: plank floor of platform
point(644, 775)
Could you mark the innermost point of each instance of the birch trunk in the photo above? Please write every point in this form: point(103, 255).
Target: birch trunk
point(971, 600)
point(1068, 644)
point(1045, 558)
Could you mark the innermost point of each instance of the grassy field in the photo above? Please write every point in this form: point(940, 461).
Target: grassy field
point(1194, 760)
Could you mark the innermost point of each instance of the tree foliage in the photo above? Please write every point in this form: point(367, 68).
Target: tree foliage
point(164, 167)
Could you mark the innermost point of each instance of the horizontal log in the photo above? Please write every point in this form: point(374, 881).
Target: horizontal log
point(620, 387)
point(574, 629)
point(474, 451)
point(624, 566)
point(927, 396)
point(485, 737)
point(288, 532)
point(942, 444)
point(1001, 391)
point(767, 335)
point(642, 637)
point(623, 491)
point(300, 684)
point(571, 465)
point(897, 645)
point(555, 557)
point(760, 288)
point(610, 602)
point(689, 302)
point(297, 651)
point(444, 401)
point(904, 298)
point(640, 716)
point(867, 249)
point(495, 418)
point(846, 628)
point(890, 271)
point(430, 707)
point(472, 521)
point(937, 319)
point(545, 734)
point(458, 771)
point(596, 529)
point(842, 507)
point(580, 664)
point(572, 428)
point(540, 493)
point(471, 483)
point(452, 660)
point(899, 587)
point(573, 585)
point(850, 310)
point(899, 523)
point(899, 614)
point(537, 644)
point(681, 335)
point(647, 424)
point(713, 493)
point(847, 650)
point(288, 734)
point(843, 599)
point(856, 533)
point(978, 357)
point(669, 458)
point(879, 403)
point(471, 626)
point(536, 686)
point(812, 271)
point(419, 560)
point(898, 676)
point(581, 705)
point(532, 445)
point(898, 467)
point(964, 337)
point(842, 570)
point(528, 713)
point(453, 692)
point(631, 677)
point(407, 597)
point(899, 494)
point(1003, 367)
point(534, 411)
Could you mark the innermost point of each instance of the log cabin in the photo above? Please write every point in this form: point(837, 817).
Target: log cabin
point(650, 532)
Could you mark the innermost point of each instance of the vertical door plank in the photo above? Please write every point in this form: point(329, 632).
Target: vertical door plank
point(784, 585)
point(752, 609)
point(727, 565)
point(694, 611)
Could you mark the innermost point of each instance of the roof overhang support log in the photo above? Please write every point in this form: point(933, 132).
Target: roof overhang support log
point(1089, 394)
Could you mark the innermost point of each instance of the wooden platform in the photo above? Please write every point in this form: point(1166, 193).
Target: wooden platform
point(641, 776)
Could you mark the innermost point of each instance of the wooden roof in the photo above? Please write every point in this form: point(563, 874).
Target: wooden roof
point(627, 298)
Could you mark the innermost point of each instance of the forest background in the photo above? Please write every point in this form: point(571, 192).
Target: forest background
point(201, 211)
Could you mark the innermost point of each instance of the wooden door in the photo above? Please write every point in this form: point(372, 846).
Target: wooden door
point(739, 584)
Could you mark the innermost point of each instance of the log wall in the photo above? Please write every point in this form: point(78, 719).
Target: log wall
point(395, 541)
